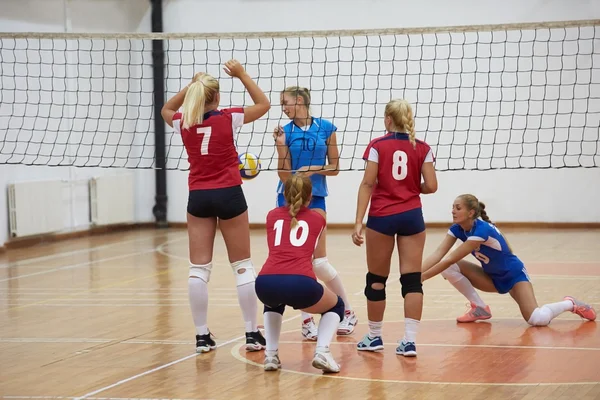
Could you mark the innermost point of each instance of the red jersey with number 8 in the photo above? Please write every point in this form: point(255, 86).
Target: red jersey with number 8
point(291, 250)
point(210, 147)
point(398, 186)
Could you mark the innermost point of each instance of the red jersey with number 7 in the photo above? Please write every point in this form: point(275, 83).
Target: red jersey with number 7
point(291, 249)
point(210, 147)
point(398, 186)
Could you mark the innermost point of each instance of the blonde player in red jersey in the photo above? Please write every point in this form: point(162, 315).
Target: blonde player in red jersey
point(215, 193)
point(288, 277)
point(392, 182)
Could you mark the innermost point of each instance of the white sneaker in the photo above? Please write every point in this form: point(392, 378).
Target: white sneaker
point(309, 329)
point(323, 360)
point(272, 363)
point(346, 326)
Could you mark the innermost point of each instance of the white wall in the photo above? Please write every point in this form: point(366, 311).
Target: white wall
point(78, 16)
point(541, 195)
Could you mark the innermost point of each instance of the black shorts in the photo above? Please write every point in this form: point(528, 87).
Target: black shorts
point(224, 203)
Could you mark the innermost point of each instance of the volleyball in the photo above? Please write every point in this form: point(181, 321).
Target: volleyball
point(249, 165)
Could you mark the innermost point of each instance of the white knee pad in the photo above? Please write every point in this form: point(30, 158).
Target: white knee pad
point(452, 274)
point(323, 270)
point(244, 272)
point(201, 271)
point(540, 317)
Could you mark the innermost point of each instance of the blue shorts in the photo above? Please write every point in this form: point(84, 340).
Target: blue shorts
point(316, 202)
point(507, 281)
point(296, 291)
point(406, 223)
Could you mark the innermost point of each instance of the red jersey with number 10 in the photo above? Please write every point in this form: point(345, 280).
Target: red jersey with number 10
point(291, 250)
point(398, 186)
point(211, 149)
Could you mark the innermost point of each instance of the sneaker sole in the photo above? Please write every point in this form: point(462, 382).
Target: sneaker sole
point(255, 347)
point(205, 349)
point(407, 353)
point(272, 367)
point(373, 348)
point(474, 320)
point(323, 365)
point(345, 332)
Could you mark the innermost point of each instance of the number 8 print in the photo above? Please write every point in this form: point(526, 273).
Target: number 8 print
point(400, 166)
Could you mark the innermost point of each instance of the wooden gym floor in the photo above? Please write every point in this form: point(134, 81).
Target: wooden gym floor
point(108, 317)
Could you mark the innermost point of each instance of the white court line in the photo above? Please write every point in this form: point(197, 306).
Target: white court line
point(73, 266)
point(119, 383)
point(91, 398)
point(27, 261)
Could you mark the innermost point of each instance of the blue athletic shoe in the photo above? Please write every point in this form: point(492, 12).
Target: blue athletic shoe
point(370, 344)
point(406, 349)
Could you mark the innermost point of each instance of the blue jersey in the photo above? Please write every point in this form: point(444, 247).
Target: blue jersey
point(494, 254)
point(308, 146)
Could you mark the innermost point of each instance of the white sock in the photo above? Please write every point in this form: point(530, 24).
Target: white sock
point(462, 284)
point(198, 296)
point(337, 287)
point(328, 326)
point(560, 307)
point(411, 327)
point(272, 331)
point(375, 329)
point(305, 316)
point(249, 305)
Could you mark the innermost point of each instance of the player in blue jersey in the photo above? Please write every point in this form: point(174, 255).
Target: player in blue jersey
point(501, 270)
point(309, 145)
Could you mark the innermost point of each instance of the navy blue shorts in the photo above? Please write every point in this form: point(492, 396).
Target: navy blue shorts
point(316, 202)
point(507, 281)
point(406, 223)
point(296, 291)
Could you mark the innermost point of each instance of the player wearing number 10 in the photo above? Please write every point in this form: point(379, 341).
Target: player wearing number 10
point(392, 182)
point(288, 277)
point(215, 193)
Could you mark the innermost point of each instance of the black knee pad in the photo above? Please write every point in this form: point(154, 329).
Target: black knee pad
point(375, 294)
point(278, 309)
point(338, 308)
point(411, 283)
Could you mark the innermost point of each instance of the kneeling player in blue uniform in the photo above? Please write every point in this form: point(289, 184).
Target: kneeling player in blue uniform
point(501, 271)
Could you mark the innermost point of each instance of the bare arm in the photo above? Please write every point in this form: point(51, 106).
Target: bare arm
point(461, 252)
point(261, 102)
point(171, 107)
point(439, 253)
point(364, 196)
point(430, 184)
point(365, 189)
point(284, 164)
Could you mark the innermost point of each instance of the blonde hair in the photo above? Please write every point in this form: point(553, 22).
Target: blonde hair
point(297, 191)
point(403, 120)
point(203, 90)
point(299, 91)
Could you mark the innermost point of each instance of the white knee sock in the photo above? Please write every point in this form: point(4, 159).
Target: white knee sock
point(272, 331)
point(462, 284)
point(337, 287)
point(249, 305)
point(198, 296)
point(327, 328)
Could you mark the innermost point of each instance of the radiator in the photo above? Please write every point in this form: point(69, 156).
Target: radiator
point(35, 208)
point(112, 199)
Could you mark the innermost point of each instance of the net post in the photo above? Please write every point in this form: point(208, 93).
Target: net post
point(158, 67)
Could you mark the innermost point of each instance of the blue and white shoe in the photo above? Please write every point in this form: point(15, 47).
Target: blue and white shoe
point(406, 349)
point(370, 344)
